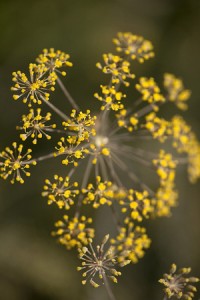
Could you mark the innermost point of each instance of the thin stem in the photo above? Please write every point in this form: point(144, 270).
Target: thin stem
point(55, 109)
point(145, 110)
point(108, 289)
point(60, 131)
point(67, 94)
point(115, 217)
point(130, 174)
point(50, 155)
point(84, 183)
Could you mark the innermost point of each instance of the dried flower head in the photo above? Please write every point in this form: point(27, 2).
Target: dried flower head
point(98, 265)
point(177, 283)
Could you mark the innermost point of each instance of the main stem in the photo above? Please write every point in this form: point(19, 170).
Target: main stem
point(84, 183)
point(56, 110)
point(108, 289)
point(67, 94)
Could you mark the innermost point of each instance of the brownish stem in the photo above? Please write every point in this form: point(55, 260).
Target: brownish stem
point(67, 94)
point(108, 289)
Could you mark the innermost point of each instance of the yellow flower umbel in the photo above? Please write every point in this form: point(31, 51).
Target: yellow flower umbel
point(111, 97)
point(158, 127)
point(61, 191)
point(117, 67)
point(178, 285)
point(176, 91)
point(35, 89)
point(82, 124)
point(15, 163)
point(134, 46)
point(73, 232)
point(99, 195)
point(150, 91)
point(130, 243)
point(138, 203)
point(71, 149)
point(34, 126)
point(54, 60)
point(185, 141)
point(115, 157)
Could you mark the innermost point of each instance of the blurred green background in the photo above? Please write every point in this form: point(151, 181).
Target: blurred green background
point(32, 265)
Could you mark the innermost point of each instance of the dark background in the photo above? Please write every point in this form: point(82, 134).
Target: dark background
point(32, 265)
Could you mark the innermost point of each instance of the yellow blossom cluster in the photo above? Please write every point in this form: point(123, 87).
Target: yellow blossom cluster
point(34, 126)
point(185, 141)
point(61, 191)
point(117, 67)
point(126, 120)
point(70, 148)
point(130, 243)
point(15, 163)
point(73, 232)
point(54, 60)
point(112, 146)
point(99, 195)
point(176, 91)
point(134, 46)
point(159, 127)
point(35, 89)
point(110, 97)
point(165, 166)
point(82, 124)
point(150, 91)
point(138, 203)
point(166, 194)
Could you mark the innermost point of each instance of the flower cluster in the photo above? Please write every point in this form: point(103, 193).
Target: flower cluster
point(105, 154)
point(150, 91)
point(177, 283)
point(36, 88)
point(73, 232)
point(34, 126)
point(101, 263)
point(15, 163)
point(99, 195)
point(130, 243)
point(54, 60)
point(61, 191)
point(134, 46)
point(176, 91)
